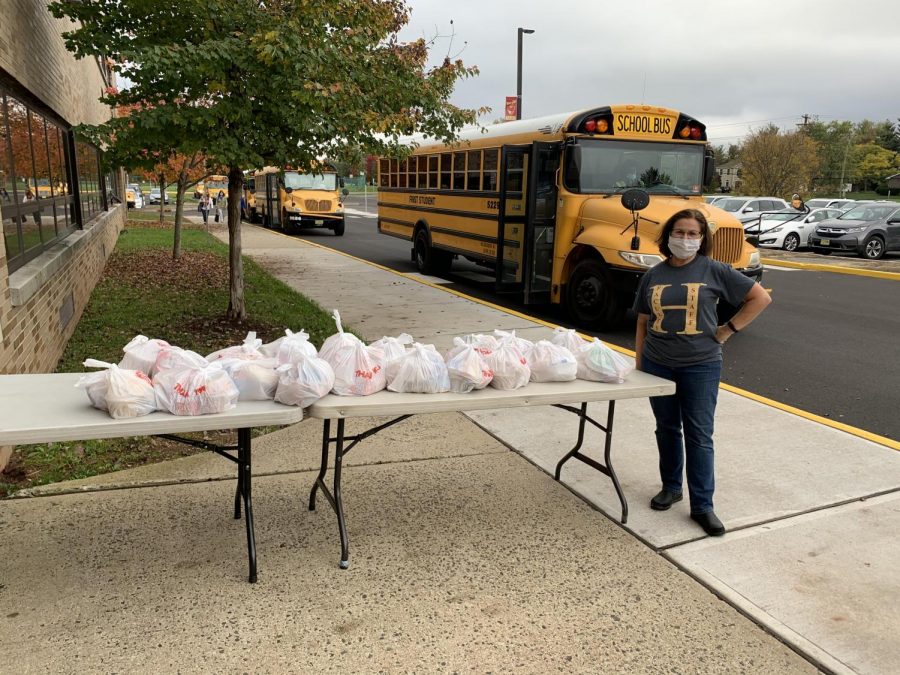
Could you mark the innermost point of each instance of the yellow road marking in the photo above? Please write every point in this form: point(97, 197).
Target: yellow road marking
point(837, 269)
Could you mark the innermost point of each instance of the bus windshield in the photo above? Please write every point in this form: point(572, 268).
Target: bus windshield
point(594, 165)
point(309, 181)
point(217, 185)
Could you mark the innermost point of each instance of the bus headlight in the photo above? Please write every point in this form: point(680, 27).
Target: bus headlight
point(754, 259)
point(646, 260)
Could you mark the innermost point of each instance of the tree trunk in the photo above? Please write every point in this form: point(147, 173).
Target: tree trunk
point(236, 307)
point(179, 211)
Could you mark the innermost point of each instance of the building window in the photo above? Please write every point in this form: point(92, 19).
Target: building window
point(37, 172)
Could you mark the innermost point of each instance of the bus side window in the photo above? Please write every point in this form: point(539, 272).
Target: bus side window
point(423, 172)
point(413, 171)
point(394, 170)
point(474, 170)
point(459, 171)
point(490, 170)
point(384, 172)
point(433, 171)
point(401, 179)
point(446, 159)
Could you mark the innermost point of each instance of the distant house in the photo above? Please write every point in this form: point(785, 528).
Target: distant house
point(893, 182)
point(730, 175)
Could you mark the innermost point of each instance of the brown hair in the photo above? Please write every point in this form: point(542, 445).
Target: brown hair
point(693, 214)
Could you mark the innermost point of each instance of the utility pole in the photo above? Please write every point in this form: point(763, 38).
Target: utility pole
point(526, 31)
point(805, 122)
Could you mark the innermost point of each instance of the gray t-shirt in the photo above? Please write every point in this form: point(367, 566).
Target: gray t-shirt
point(681, 302)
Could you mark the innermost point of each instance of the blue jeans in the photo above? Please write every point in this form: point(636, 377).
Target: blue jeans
point(692, 408)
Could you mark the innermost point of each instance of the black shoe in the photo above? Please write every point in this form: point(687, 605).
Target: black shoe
point(710, 523)
point(664, 500)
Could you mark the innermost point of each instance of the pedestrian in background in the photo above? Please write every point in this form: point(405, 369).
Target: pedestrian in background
point(203, 208)
point(221, 206)
point(678, 338)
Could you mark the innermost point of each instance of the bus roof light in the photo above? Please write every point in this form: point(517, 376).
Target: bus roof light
point(696, 133)
point(590, 126)
point(602, 126)
point(685, 131)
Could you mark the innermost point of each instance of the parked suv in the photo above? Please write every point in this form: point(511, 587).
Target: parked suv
point(747, 209)
point(869, 229)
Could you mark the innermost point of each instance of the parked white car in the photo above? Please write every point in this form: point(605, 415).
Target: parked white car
point(788, 229)
point(748, 209)
point(842, 204)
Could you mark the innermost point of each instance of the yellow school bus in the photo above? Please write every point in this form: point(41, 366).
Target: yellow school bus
point(288, 200)
point(540, 202)
point(211, 186)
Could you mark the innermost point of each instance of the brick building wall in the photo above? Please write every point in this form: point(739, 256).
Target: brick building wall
point(40, 304)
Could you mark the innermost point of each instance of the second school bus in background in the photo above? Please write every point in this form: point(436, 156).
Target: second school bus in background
point(538, 201)
point(287, 199)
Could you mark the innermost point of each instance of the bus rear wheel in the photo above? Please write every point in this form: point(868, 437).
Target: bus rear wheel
point(428, 259)
point(590, 299)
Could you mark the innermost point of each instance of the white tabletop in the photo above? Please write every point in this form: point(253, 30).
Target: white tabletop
point(48, 407)
point(636, 385)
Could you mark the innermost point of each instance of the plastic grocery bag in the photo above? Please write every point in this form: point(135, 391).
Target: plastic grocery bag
point(568, 338)
point(141, 353)
point(467, 368)
point(271, 348)
point(599, 363)
point(304, 381)
point(393, 347)
point(524, 346)
point(195, 391)
point(358, 370)
point(176, 358)
point(294, 345)
point(510, 367)
point(255, 380)
point(121, 392)
point(551, 363)
point(421, 370)
point(249, 350)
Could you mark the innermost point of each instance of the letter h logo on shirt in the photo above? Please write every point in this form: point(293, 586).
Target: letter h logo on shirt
point(690, 308)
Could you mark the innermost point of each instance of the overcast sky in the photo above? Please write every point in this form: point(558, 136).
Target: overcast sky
point(733, 64)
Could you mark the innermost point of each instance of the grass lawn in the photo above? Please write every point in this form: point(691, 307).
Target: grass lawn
point(144, 291)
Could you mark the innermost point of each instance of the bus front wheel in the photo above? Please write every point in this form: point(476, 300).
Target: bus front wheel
point(338, 228)
point(590, 298)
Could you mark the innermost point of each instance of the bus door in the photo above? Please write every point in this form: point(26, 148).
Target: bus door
point(510, 272)
point(273, 200)
point(527, 221)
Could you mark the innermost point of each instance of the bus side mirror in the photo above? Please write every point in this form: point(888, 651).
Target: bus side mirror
point(341, 182)
point(709, 168)
point(345, 191)
point(287, 189)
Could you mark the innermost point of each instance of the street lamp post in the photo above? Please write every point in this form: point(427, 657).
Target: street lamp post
point(522, 31)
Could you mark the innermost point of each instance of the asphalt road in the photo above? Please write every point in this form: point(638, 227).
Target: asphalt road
point(828, 344)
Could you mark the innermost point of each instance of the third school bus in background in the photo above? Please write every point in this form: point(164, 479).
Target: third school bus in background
point(288, 200)
point(538, 201)
point(211, 185)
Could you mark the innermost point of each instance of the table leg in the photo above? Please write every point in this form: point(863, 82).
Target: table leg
point(245, 469)
point(338, 502)
point(320, 479)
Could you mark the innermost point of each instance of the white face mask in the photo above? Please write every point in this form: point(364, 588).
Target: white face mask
point(684, 248)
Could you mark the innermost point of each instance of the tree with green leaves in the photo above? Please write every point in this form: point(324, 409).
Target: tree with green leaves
point(874, 164)
point(778, 164)
point(251, 83)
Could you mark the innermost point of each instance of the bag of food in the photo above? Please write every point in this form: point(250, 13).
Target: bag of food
point(358, 370)
point(393, 347)
point(141, 353)
point(121, 392)
point(248, 351)
point(294, 345)
point(551, 363)
point(195, 391)
point(524, 346)
point(255, 380)
point(467, 368)
point(421, 370)
point(568, 338)
point(510, 367)
point(599, 363)
point(176, 358)
point(304, 381)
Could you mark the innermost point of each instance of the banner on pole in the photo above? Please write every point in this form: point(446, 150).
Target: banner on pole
point(512, 108)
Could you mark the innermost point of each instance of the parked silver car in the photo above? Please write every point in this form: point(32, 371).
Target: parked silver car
point(869, 229)
point(747, 209)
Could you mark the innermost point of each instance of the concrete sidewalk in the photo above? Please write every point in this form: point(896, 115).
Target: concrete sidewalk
point(466, 556)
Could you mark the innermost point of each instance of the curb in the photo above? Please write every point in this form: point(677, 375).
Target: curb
point(837, 269)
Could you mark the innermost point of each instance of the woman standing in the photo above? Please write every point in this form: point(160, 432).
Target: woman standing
point(678, 338)
point(203, 208)
point(221, 206)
